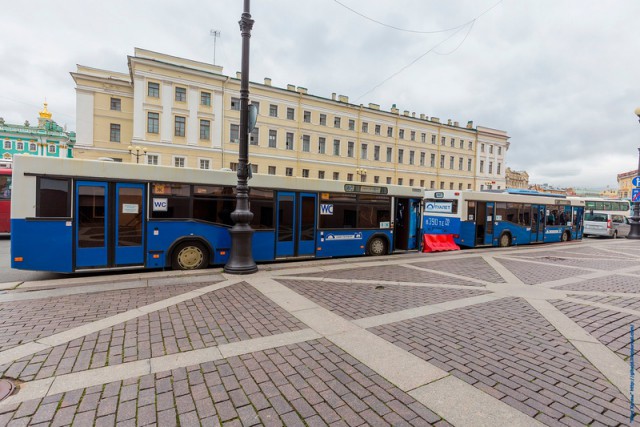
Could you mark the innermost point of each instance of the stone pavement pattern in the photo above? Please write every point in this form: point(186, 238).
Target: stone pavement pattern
point(521, 336)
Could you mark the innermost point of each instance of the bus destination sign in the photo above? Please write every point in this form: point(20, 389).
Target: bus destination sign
point(351, 188)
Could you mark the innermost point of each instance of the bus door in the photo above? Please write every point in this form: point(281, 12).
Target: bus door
point(481, 222)
point(488, 234)
point(109, 224)
point(537, 223)
point(407, 224)
point(296, 224)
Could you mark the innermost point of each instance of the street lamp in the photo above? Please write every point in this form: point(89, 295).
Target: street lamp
point(139, 152)
point(240, 257)
point(634, 233)
point(362, 173)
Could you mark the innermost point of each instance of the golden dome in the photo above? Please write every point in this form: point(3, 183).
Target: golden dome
point(45, 114)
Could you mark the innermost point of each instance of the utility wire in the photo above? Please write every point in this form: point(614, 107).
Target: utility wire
point(459, 44)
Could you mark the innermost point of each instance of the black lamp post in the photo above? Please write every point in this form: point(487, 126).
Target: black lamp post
point(138, 152)
point(634, 233)
point(241, 258)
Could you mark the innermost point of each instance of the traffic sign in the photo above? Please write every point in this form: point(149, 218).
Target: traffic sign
point(635, 181)
point(635, 195)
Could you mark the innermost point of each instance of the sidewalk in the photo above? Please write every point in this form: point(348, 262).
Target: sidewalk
point(520, 336)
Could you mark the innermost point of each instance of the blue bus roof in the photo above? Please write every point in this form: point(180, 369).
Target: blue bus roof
point(533, 193)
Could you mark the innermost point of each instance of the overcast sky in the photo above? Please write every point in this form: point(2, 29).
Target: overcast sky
point(558, 76)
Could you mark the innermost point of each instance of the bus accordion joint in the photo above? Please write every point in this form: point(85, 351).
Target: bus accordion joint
point(18, 259)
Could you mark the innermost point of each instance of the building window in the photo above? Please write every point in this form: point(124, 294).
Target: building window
point(461, 147)
point(181, 94)
point(288, 171)
point(498, 168)
point(377, 130)
point(400, 181)
point(153, 90)
point(336, 122)
point(460, 163)
point(336, 147)
point(114, 135)
point(401, 134)
point(7, 145)
point(289, 141)
point(336, 176)
point(442, 161)
point(481, 166)
point(350, 149)
point(365, 127)
point(322, 143)
point(33, 146)
point(116, 104)
point(20, 146)
point(290, 113)
point(235, 104)
point(451, 186)
point(352, 124)
point(388, 180)
point(234, 133)
point(363, 151)
point(389, 131)
point(433, 141)
point(422, 183)
point(499, 151)
point(443, 140)
point(460, 186)
point(468, 186)
point(323, 119)
point(422, 158)
point(433, 160)
point(423, 137)
point(400, 155)
point(305, 173)
point(306, 116)
point(490, 167)
point(153, 122)
point(205, 98)
point(205, 164)
point(254, 136)
point(482, 148)
point(442, 185)
point(179, 162)
point(389, 154)
point(254, 168)
point(349, 177)
point(363, 178)
point(205, 129)
point(470, 147)
point(180, 122)
point(376, 179)
point(306, 143)
point(152, 159)
point(469, 165)
point(453, 142)
point(491, 149)
point(320, 174)
point(432, 185)
point(376, 153)
point(273, 136)
point(412, 157)
point(411, 181)
point(273, 110)
point(233, 166)
point(413, 135)
point(272, 170)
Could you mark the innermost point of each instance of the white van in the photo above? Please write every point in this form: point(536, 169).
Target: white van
point(605, 224)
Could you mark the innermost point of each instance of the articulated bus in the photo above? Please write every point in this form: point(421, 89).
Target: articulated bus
point(477, 218)
point(78, 215)
point(5, 197)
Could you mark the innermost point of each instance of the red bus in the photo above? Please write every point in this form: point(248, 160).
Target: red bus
point(5, 197)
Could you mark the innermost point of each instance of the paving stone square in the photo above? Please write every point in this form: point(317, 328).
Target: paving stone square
point(533, 273)
point(610, 283)
point(474, 267)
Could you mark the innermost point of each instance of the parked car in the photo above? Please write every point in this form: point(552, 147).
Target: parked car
point(605, 224)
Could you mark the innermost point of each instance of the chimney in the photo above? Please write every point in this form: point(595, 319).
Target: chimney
point(343, 98)
point(238, 75)
point(413, 114)
point(435, 119)
point(449, 122)
point(394, 109)
point(333, 96)
point(470, 124)
point(267, 81)
point(423, 117)
point(406, 113)
point(456, 124)
point(291, 88)
point(374, 106)
point(302, 90)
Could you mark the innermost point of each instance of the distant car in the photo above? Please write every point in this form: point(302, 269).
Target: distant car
point(604, 224)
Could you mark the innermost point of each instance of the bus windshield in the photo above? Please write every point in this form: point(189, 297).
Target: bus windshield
point(5, 187)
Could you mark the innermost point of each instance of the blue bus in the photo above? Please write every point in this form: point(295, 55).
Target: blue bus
point(81, 215)
point(485, 218)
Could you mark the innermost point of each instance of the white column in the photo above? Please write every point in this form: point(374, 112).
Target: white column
point(193, 129)
point(217, 131)
point(84, 117)
point(166, 121)
point(139, 116)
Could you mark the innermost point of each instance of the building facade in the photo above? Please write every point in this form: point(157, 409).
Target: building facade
point(45, 139)
point(187, 114)
point(517, 179)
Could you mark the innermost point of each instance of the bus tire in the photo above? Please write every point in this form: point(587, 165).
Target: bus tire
point(504, 240)
point(190, 255)
point(377, 246)
point(566, 236)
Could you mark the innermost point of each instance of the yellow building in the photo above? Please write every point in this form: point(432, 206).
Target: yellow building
point(624, 184)
point(517, 179)
point(187, 114)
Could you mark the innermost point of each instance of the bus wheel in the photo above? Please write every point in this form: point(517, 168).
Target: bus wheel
point(565, 236)
point(505, 240)
point(377, 246)
point(189, 256)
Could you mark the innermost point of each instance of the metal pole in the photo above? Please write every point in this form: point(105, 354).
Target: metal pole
point(241, 258)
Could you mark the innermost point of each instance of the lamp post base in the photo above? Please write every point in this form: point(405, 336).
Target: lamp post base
point(241, 259)
point(634, 232)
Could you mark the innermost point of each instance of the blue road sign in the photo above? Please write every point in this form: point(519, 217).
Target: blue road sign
point(635, 181)
point(635, 195)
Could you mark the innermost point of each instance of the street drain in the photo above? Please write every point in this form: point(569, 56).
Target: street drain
point(379, 287)
point(6, 388)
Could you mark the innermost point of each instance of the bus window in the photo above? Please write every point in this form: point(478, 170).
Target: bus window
point(53, 198)
point(5, 187)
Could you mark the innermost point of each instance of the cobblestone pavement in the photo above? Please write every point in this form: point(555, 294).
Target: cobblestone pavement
point(535, 335)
